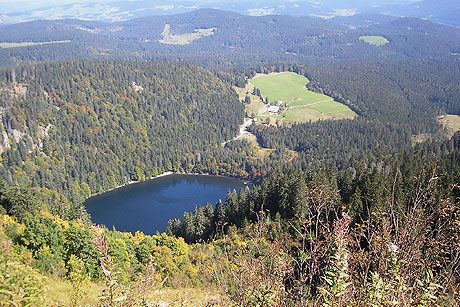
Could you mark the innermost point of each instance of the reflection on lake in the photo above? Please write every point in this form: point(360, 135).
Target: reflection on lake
point(147, 206)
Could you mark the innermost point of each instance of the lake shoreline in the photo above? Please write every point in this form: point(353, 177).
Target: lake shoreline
point(165, 174)
point(148, 206)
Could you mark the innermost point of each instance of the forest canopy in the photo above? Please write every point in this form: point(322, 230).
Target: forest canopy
point(84, 127)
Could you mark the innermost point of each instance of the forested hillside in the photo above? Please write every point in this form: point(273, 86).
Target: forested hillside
point(85, 127)
point(237, 40)
point(411, 92)
point(362, 211)
point(379, 234)
point(360, 189)
point(376, 234)
point(396, 102)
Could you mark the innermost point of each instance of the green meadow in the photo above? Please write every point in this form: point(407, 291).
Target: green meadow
point(302, 105)
point(452, 122)
point(184, 39)
point(166, 31)
point(27, 44)
point(374, 40)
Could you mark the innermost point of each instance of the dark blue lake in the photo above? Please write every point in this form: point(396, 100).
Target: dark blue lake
point(147, 206)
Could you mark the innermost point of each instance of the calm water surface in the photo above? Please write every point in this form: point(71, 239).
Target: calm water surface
point(148, 205)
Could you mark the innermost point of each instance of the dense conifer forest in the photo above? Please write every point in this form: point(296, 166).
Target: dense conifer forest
point(354, 212)
point(381, 234)
point(238, 41)
point(82, 127)
point(375, 234)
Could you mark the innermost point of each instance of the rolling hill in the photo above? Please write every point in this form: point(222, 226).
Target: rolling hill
point(441, 11)
point(104, 123)
point(238, 38)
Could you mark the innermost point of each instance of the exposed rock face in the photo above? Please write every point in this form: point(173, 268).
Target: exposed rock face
point(4, 145)
point(43, 131)
point(20, 90)
point(136, 87)
point(17, 135)
point(16, 90)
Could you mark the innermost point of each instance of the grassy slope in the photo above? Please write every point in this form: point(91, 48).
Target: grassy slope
point(166, 30)
point(183, 39)
point(303, 104)
point(374, 40)
point(452, 122)
point(27, 44)
point(59, 293)
point(256, 106)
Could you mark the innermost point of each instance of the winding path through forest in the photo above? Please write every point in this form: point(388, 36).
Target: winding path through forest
point(243, 131)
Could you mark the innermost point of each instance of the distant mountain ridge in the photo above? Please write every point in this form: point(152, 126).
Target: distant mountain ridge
point(255, 40)
point(441, 11)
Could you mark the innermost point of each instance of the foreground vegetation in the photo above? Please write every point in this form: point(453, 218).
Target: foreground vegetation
point(346, 212)
point(49, 261)
point(376, 235)
point(379, 235)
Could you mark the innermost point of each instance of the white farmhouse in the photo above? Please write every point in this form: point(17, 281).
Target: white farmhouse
point(273, 109)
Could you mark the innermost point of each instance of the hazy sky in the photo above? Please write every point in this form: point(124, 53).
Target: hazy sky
point(25, 5)
point(43, 3)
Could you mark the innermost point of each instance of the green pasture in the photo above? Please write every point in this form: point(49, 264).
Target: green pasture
point(27, 44)
point(302, 105)
point(256, 106)
point(183, 39)
point(449, 121)
point(374, 40)
point(166, 30)
point(452, 122)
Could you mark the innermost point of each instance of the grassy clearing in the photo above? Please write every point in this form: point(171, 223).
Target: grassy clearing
point(261, 152)
point(184, 39)
point(188, 297)
point(288, 87)
point(256, 106)
point(166, 30)
point(251, 139)
point(302, 105)
point(452, 122)
point(27, 44)
point(374, 40)
point(306, 114)
point(420, 138)
point(59, 294)
point(264, 152)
